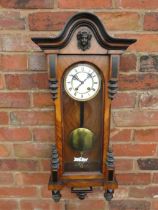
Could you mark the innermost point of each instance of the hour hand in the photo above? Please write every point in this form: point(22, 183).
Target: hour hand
point(76, 77)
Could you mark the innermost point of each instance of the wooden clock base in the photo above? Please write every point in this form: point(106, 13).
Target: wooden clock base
point(81, 192)
point(81, 188)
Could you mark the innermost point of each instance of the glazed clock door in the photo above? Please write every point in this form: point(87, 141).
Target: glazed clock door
point(82, 97)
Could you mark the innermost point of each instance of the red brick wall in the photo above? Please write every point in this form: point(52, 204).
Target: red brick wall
point(26, 116)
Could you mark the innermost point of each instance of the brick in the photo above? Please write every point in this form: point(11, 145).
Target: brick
point(149, 99)
point(0, 43)
point(43, 134)
point(148, 164)
point(120, 135)
point(26, 81)
point(121, 193)
point(138, 192)
point(5, 150)
point(46, 165)
point(138, 81)
point(148, 63)
point(11, 20)
point(18, 42)
point(87, 204)
point(128, 62)
point(145, 42)
point(15, 134)
point(123, 21)
point(146, 135)
point(18, 191)
point(154, 205)
point(123, 164)
point(45, 193)
point(6, 179)
point(13, 62)
point(40, 204)
point(135, 118)
point(27, 4)
point(57, 206)
point(1, 82)
point(8, 204)
point(155, 178)
point(32, 150)
point(81, 4)
point(37, 62)
point(34, 205)
point(19, 165)
point(134, 179)
point(4, 118)
point(129, 205)
point(42, 100)
point(150, 22)
point(134, 150)
point(67, 195)
point(97, 194)
point(138, 4)
point(31, 118)
point(32, 178)
point(124, 100)
point(47, 21)
point(14, 100)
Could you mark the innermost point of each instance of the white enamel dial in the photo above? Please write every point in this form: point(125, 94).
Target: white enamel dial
point(82, 82)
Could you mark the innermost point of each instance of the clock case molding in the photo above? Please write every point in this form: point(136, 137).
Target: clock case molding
point(103, 51)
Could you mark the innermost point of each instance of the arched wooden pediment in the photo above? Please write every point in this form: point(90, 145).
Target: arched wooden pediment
point(92, 22)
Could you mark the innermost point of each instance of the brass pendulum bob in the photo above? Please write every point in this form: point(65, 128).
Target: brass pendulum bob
point(81, 139)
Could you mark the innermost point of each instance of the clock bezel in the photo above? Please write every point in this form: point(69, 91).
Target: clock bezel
point(94, 68)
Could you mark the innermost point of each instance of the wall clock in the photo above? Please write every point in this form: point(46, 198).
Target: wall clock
point(83, 64)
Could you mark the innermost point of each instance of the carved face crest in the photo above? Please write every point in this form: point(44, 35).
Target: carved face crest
point(83, 38)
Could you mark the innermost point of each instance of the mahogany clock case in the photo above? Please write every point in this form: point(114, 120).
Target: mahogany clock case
point(84, 40)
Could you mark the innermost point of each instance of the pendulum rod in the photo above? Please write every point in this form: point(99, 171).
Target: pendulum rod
point(81, 114)
point(81, 164)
